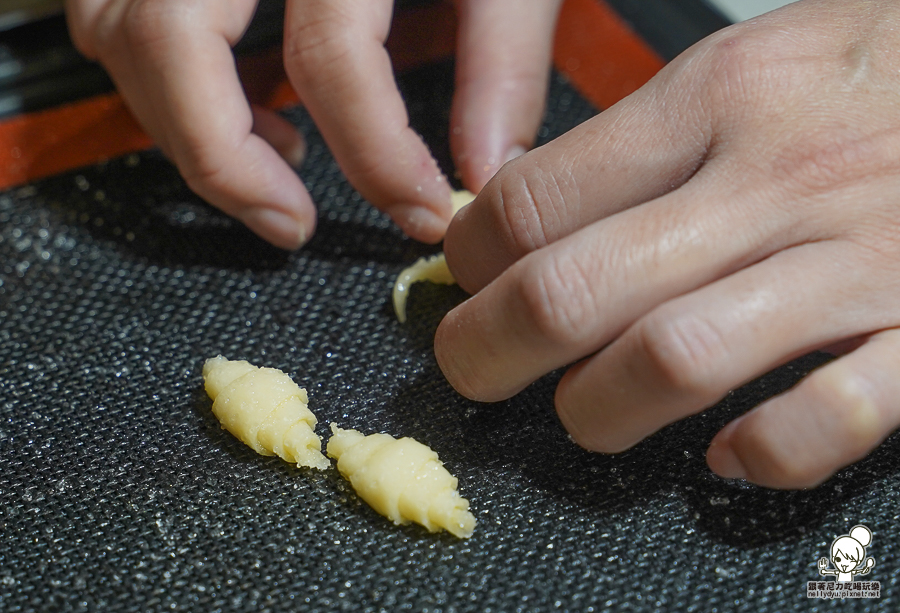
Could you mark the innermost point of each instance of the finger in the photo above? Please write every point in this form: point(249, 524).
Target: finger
point(502, 70)
point(846, 346)
point(336, 61)
point(574, 296)
point(647, 145)
point(834, 417)
point(81, 16)
point(280, 134)
point(688, 353)
point(173, 64)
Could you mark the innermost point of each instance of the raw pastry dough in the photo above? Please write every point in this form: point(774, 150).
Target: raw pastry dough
point(402, 479)
point(432, 268)
point(460, 198)
point(265, 409)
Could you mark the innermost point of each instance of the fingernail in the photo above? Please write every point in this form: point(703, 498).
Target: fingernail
point(419, 222)
point(295, 155)
point(514, 152)
point(277, 227)
point(291, 146)
point(725, 462)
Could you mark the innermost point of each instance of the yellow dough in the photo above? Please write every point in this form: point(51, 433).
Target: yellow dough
point(432, 268)
point(265, 409)
point(460, 198)
point(402, 479)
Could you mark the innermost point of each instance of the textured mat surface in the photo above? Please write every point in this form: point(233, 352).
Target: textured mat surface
point(119, 491)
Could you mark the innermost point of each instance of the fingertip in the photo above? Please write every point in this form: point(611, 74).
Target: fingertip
point(572, 414)
point(461, 350)
point(748, 448)
point(292, 150)
point(281, 134)
point(277, 227)
point(441, 354)
point(255, 185)
point(446, 352)
point(721, 456)
point(420, 222)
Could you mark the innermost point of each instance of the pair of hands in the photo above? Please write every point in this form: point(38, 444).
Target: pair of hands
point(739, 210)
point(172, 62)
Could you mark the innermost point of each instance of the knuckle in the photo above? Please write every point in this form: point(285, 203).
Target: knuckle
point(849, 407)
point(740, 68)
point(203, 170)
point(557, 298)
point(775, 465)
point(760, 444)
point(147, 23)
point(843, 427)
point(733, 72)
point(313, 47)
point(749, 51)
point(527, 209)
point(94, 34)
point(83, 33)
point(683, 350)
point(137, 25)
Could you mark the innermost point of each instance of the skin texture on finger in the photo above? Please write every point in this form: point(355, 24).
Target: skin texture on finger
point(336, 61)
point(643, 147)
point(686, 354)
point(173, 64)
point(574, 296)
point(709, 285)
point(81, 16)
point(774, 175)
point(834, 417)
point(503, 66)
point(568, 299)
point(758, 86)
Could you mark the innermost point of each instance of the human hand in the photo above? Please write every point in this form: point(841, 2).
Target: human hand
point(172, 62)
point(738, 211)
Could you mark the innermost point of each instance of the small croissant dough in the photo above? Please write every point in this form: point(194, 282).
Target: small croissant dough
point(402, 479)
point(265, 409)
point(432, 268)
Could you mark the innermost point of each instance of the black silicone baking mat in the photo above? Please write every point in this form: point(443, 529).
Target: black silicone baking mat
point(120, 492)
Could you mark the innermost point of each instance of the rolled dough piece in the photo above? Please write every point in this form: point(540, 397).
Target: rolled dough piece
point(265, 409)
point(402, 479)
